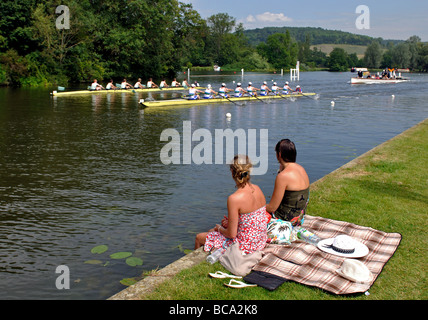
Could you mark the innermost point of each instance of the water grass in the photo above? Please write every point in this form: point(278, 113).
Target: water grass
point(385, 189)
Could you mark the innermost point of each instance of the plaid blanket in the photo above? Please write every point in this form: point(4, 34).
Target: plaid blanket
point(306, 264)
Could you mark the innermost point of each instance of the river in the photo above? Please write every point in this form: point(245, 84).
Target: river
point(78, 172)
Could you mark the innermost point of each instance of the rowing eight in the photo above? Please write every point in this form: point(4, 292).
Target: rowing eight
point(178, 102)
point(81, 92)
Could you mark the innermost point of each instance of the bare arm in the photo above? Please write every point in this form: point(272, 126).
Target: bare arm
point(233, 216)
point(277, 195)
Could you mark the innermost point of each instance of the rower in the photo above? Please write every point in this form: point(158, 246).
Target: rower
point(163, 84)
point(252, 92)
point(185, 84)
point(298, 89)
point(239, 91)
point(125, 85)
point(95, 86)
point(193, 93)
point(286, 88)
point(175, 83)
point(264, 89)
point(138, 84)
point(110, 85)
point(223, 91)
point(151, 84)
point(275, 88)
point(208, 94)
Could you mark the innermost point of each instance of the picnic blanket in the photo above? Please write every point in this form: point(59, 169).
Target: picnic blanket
point(306, 264)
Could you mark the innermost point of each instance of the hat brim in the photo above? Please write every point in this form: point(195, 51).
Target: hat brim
point(348, 277)
point(361, 249)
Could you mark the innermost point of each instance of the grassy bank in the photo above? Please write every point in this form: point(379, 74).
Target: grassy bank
point(385, 189)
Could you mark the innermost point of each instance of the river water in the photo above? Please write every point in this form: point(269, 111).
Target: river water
point(83, 171)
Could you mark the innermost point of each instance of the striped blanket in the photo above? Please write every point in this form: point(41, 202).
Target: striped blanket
point(306, 264)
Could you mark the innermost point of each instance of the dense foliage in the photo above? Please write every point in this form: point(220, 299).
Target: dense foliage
point(318, 35)
point(141, 38)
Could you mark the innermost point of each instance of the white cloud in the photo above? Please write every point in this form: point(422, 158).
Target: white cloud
point(273, 17)
point(250, 19)
point(267, 19)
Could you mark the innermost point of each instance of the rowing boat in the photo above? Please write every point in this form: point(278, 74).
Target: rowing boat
point(82, 92)
point(375, 81)
point(179, 102)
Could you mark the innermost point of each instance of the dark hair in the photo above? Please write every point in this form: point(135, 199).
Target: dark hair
point(287, 150)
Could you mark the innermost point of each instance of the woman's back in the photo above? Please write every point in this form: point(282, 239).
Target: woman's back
point(248, 199)
point(294, 177)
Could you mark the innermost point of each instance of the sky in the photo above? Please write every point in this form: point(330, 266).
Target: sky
point(389, 19)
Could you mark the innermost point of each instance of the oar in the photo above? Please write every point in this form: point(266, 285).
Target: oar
point(305, 95)
point(259, 99)
point(230, 100)
point(285, 98)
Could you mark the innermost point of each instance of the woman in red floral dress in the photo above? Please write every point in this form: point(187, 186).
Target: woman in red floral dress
point(246, 222)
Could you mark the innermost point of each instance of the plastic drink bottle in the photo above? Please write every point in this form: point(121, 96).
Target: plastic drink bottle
point(307, 236)
point(213, 257)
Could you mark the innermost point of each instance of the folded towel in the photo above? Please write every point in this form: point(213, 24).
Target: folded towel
point(264, 280)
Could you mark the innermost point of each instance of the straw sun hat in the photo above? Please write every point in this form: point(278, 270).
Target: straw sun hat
point(355, 271)
point(344, 246)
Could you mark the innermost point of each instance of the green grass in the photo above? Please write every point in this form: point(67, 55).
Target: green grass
point(349, 48)
point(385, 189)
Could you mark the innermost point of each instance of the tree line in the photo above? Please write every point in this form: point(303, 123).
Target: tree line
point(411, 54)
point(110, 39)
point(318, 35)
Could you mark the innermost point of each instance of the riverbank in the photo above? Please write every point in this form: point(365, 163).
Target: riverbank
point(384, 188)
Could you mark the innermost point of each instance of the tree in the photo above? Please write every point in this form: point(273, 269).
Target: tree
point(190, 34)
point(15, 68)
point(423, 56)
point(16, 26)
point(59, 42)
point(220, 26)
point(400, 55)
point(373, 55)
point(413, 48)
point(338, 60)
point(279, 50)
point(305, 49)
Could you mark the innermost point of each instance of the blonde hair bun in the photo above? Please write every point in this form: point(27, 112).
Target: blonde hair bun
point(241, 169)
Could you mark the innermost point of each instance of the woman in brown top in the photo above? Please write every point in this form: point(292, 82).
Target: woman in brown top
point(291, 192)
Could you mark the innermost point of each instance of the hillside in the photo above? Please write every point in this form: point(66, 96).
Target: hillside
point(359, 50)
point(317, 36)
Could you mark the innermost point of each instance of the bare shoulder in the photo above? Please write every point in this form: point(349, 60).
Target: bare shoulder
point(294, 176)
point(257, 188)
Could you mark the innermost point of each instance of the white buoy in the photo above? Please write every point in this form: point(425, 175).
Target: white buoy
point(393, 96)
point(332, 103)
point(228, 115)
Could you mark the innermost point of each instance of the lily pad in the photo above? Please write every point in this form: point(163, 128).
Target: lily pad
point(120, 255)
point(128, 281)
point(99, 249)
point(133, 261)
